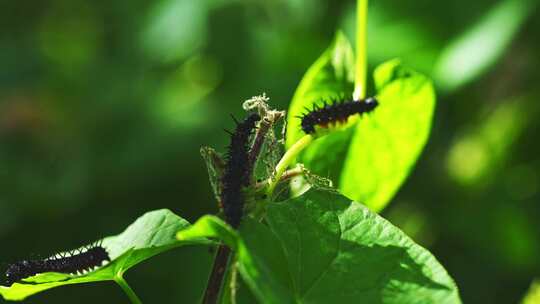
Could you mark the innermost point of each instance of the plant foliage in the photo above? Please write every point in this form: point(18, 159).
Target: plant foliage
point(323, 248)
point(371, 158)
point(149, 235)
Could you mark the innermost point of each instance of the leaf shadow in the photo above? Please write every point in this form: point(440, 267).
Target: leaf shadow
point(373, 274)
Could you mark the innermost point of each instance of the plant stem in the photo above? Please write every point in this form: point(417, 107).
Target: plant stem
point(361, 50)
point(233, 283)
point(286, 160)
point(217, 276)
point(261, 186)
point(119, 279)
point(255, 150)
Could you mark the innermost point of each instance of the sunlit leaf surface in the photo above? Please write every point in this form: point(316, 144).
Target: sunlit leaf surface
point(152, 233)
point(385, 145)
point(369, 158)
point(533, 295)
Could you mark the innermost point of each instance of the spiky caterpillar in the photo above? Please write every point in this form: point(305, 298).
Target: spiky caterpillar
point(237, 171)
point(335, 112)
point(74, 262)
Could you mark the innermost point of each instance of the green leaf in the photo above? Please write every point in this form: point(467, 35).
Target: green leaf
point(151, 234)
point(371, 157)
point(386, 145)
point(533, 294)
point(323, 248)
point(331, 76)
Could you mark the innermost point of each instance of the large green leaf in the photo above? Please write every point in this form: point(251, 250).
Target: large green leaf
point(371, 157)
point(323, 248)
point(331, 76)
point(152, 233)
point(386, 145)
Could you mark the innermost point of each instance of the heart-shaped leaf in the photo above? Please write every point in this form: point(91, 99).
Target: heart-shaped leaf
point(151, 234)
point(371, 157)
point(323, 248)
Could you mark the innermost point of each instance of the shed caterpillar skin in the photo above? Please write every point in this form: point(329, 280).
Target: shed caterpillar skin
point(335, 112)
point(75, 262)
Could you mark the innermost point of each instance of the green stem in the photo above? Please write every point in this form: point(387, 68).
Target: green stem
point(286, 160)
point(361, 53)
point(119, 279)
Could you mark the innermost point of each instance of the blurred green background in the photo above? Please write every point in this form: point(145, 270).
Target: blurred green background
point(104, 105)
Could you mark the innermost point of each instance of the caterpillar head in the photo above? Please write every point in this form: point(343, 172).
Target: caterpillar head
point(17, 271)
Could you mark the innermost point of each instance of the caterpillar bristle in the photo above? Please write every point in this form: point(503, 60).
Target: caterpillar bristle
point(235, 120)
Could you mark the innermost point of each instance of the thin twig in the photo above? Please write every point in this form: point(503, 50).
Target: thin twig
point(260, 136)
point(217, 276)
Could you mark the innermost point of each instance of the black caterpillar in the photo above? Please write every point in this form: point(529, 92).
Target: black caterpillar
point(74, 262)
point(337, 111)
point(237, 171)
